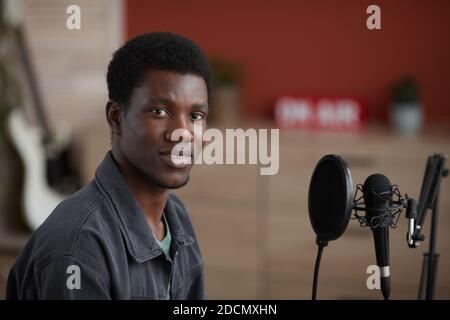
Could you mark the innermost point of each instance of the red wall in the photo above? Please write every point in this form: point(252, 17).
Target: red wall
point(316, 47)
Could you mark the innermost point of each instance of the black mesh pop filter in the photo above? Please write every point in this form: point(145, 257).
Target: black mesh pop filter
point(330, 199)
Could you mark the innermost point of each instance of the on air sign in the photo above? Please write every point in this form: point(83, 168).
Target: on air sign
point(319, 113)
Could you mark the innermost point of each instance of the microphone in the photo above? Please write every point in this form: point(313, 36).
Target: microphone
point(377, 194)
point(331, 201)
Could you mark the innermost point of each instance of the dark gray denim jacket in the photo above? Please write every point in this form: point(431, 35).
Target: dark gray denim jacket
point(97, 245)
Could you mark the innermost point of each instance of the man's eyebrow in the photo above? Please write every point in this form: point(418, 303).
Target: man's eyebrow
point(197, 106)
point(169, 102)
point(160, 100)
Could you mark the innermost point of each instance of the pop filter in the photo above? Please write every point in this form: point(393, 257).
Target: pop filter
point(330, 199)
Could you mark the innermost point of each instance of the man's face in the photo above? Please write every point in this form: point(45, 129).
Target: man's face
point(164, 102)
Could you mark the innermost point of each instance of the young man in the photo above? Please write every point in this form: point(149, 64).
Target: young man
point(124, 236)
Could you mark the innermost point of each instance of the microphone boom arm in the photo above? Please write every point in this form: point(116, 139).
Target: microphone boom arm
point(429, 199)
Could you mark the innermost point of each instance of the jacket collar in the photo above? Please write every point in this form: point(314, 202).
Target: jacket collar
point(139, 238)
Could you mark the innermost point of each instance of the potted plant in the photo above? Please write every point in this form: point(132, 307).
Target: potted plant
point(406, 112)
point(226, 97)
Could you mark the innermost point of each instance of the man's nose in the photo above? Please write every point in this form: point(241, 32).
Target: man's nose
point(181, 129)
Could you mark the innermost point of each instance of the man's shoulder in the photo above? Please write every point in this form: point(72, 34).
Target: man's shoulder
point(81, 218)
point(73, 213)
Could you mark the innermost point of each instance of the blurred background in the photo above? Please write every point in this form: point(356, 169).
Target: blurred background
point(311, 68)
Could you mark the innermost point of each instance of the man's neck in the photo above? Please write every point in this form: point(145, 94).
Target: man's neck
point(151, 199)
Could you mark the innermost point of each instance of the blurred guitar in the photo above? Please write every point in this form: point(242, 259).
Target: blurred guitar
point(49, 175)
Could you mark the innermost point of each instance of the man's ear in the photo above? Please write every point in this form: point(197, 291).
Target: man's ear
point(114, 116)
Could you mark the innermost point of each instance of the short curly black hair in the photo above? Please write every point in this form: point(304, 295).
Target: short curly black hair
point(156, 50)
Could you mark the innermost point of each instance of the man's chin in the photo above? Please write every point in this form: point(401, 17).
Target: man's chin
point(167, 183)
point(178, 184)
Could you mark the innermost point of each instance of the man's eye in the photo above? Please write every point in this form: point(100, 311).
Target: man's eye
point(197, 116)
point(160, 112)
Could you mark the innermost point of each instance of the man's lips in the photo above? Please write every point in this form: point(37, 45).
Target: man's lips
point(181, 159)
point(183, 153)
